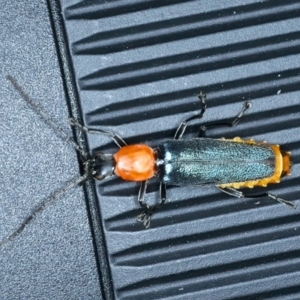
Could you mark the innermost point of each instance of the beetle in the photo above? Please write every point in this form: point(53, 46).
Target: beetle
point(228, 164)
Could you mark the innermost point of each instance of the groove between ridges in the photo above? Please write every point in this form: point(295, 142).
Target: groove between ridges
point(185, 27)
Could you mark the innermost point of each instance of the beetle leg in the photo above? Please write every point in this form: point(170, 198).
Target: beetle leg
point(116, 138)
point(145, 216)
point(163, 193)
point(230, 191)
point(235, 193)
point(142, 193)
point(182, 126)
point(235, 121)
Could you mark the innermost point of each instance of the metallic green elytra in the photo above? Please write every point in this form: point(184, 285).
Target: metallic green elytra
point(203, 161)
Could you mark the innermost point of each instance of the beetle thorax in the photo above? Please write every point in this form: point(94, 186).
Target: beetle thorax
point(135, 162)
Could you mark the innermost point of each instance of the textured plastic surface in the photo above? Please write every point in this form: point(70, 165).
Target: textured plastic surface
point(139, 65)
point(54, 257)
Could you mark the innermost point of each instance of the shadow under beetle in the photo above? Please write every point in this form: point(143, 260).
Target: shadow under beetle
point(229, 164)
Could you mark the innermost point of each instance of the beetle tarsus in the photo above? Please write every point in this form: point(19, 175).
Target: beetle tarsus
point(202, 98)
point(247, 105)
point(145, 217)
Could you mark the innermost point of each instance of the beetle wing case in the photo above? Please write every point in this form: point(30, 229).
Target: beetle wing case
point(222, 162)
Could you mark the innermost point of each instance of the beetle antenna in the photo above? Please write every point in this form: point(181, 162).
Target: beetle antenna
point(45, 117)
point(42, 206)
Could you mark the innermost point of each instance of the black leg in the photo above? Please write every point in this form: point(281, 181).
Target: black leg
point(235, 121)
point(116, 138)
point(238, 194)
point(145, 216)
point(142, 193)
point(163, 193)
point(182, 126)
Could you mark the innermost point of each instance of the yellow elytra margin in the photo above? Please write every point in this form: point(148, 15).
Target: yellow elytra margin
point(282, 166)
